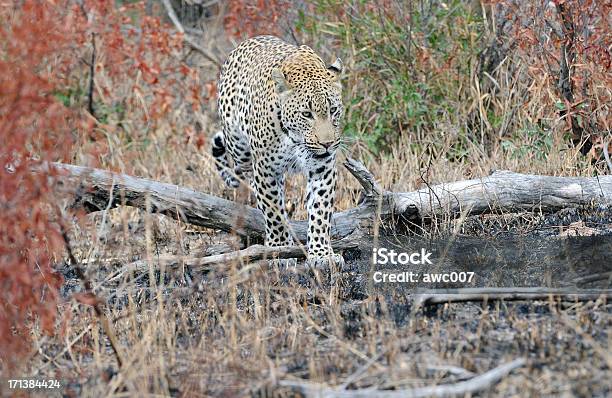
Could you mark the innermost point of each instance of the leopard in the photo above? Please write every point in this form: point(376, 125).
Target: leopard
point(280, 110)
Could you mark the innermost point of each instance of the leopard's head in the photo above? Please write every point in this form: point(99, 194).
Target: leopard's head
point(310, 97)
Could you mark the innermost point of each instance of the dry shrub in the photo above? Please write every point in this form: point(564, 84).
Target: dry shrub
point(34, 128)
point(149, 94)
point(87, 82)
point(565, 46)
point(246, 18)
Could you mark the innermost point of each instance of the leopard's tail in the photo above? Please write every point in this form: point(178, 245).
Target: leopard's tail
point(219, 153)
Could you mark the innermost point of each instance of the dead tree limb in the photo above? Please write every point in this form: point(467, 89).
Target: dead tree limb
point(501, 191)
point(508, 294)
point(251, 254)
point(188, 39)
point(507, 191)
point(593, 278)
point(478, 383)
point(198, 264)
point(92, 188)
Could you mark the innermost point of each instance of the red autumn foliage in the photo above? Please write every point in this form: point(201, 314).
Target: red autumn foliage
point(568, 43)
point(139, 70)
point(48, 52)
point(246, 18)
point(34, 128)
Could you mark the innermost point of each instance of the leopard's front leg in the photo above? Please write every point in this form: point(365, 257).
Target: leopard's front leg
point(270, 193)
point(321, 192)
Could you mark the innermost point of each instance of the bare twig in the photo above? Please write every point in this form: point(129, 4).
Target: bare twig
point(92, 69)
point(362, 369)
point(188, 39)
point(458, 372)
point(96, 302)
point(607, 153)
point(510, 293)
point(478, 383)
point(250, 254)
point(593, 278)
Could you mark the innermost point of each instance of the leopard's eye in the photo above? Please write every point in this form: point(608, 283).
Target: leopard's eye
point(307, 114)
point(333, 110)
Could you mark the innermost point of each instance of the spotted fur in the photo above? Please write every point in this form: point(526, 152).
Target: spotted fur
point(280, 108)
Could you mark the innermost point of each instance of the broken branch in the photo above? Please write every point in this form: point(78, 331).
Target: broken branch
point(188, 39)
point(507, 293)
point(478, 383)
point(249, 255)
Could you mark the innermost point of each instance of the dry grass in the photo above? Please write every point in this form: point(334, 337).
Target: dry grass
point(234, 332)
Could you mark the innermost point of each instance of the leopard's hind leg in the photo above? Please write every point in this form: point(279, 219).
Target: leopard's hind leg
point(222, 160)
point(232, 145)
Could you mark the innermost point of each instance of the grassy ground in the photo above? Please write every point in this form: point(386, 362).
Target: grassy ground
point(237, 330)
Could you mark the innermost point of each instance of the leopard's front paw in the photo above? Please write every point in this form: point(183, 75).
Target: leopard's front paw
point(284, 262)
point(325, 261)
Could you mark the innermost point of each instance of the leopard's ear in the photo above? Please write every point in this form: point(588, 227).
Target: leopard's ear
point(336, 68)
point(280, 81)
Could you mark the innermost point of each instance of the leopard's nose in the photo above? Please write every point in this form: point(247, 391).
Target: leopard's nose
point(327, 144)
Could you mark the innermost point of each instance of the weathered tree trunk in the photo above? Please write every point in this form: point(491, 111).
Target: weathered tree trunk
point(507, 191)
point(508, 294)
point(96, 190)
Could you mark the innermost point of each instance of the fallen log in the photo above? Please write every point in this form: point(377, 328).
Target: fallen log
point(478, 383)
point(98, 190)
point(443, 296)
point(508, 192)
point(202, 264)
